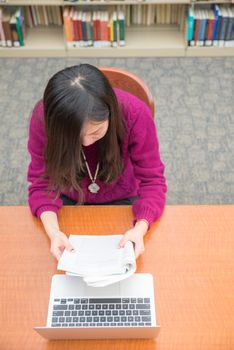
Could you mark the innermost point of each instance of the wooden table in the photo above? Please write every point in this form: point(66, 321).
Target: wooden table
point(190, 252)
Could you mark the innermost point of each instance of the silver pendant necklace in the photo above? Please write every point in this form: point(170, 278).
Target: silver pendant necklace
point(93, 187)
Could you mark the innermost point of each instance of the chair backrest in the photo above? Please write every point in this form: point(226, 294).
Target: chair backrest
point(129, 82)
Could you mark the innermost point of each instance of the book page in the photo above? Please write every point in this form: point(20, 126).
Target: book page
point(97, 256)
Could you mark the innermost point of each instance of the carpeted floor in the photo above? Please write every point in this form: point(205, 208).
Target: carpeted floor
point(194, 117)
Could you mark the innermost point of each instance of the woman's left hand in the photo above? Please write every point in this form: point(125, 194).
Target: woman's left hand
point(136, 235)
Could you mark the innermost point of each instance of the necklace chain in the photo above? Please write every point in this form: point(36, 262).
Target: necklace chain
point(93, 179)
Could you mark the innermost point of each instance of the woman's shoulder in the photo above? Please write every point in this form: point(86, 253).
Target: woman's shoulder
point(37, 114)
point(132, 107)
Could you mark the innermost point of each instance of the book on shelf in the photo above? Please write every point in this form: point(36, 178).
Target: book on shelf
point(211, 26)
point(12, 28)
point(93, 28)
point(98, 259)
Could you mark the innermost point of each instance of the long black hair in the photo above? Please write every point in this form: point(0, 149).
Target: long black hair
point(72, 96)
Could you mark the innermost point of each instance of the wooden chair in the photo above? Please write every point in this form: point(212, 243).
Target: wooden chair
point(129, 82)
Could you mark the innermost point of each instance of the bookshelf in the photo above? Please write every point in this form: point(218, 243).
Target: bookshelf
point(161, 40)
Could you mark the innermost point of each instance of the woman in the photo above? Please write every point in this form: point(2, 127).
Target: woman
point(93, 144)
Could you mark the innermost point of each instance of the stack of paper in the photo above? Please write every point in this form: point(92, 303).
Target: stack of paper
point(98, 259)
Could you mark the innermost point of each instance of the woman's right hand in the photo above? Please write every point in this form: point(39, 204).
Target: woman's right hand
point(59, 242)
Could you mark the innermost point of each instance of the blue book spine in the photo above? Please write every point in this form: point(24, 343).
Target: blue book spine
point(203, 29)
point(219, 27)
point(216, 14)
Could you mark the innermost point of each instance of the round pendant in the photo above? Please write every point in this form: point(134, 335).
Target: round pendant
point(93, 187)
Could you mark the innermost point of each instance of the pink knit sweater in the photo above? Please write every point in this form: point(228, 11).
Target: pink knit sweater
point(142, 174)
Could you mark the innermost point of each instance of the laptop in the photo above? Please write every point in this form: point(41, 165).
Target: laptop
point(125, 309)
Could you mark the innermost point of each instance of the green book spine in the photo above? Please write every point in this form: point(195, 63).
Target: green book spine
point(115, 37)
point(121, 29)
point(18, 29)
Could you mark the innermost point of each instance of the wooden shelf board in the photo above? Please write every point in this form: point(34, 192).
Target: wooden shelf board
point(33, 2)
point(127, 2)
point(209, 51)
point(39, 42)
point(142, 42)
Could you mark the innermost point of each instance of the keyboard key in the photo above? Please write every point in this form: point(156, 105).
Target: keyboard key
point(146, 300)
point(67, 313)
point(140, 300)
point(74, 313)
point(105, 306)
point(131, 306)
point(91, 306)
point(87, 313)
point(96, 319)
point(75, 319)
point(123, 319)
point(141, 324)
point(56, 300)
point(114, 312)
point(116, 318)
point(145, 312)
point(99, 324)
point(78, 324)
point(113, 324)
point(106, 324)
point(104, 300)
point(108, 312)
point(109, 319)
point(85, 324)
point(97, 307)
point(54, 319)
point(78, 307)
point(122, 312)
point(58, 313)
point(135, 312)
point(64, 324)
point(60, 307)
point(146, 319)
point(70, 299)
point(130, 319)
point(71, 307)
point(133, 300)
point(92, 324)
point(125, 306)
point(68, 319)
point(84, 301)
point(71, 324)
point(62, 319)
point(84, 307)
point(89, 319)
point(125, 300)
point(137, 318)
point(76, 301)
point(94, 313)
point(81, 313)
point(118, 306)
point(103, 319)
point(101, 313)
point(111, 306)
point(143, 306)
point(148, 323)
point(128, 312)
point(63, 301)
point(82, 319)
point(56, 325)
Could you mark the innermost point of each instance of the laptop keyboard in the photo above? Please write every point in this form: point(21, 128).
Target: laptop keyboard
point(101, 312)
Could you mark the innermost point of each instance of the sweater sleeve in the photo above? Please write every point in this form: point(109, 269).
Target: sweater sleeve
point(148, 167)
point(39, 198)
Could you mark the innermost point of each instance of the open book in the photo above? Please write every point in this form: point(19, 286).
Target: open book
point(98, 259)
